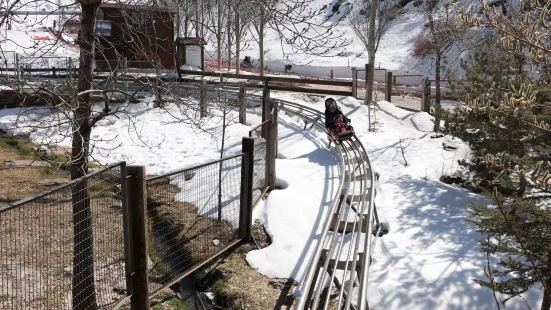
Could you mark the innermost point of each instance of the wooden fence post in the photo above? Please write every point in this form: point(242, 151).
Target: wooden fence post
point(265, 109)
point(388, 86)
point(366, 74)
point(242, 103)
point(246, 195)
point(425, 100)
point(137, 203)
point(354, 83)
point(203, 98)
point(271, 145)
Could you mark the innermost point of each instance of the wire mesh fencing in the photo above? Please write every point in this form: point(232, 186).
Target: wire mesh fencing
point(64, 249)
point(260, 186)
point(193, 215)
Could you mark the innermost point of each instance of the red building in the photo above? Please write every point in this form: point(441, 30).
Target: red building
point(144, 34)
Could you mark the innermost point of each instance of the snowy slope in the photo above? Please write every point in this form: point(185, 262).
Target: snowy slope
point(394, 52)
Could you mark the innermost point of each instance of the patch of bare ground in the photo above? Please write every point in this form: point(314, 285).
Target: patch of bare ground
point(235, 285)
point(183, 239)
point(36, 237)
point(19, 183)
point(180, 239)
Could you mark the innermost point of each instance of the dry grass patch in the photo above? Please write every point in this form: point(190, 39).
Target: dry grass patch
point(181, 238)
point(36, 243)
point(241, 287)
point(19, 183)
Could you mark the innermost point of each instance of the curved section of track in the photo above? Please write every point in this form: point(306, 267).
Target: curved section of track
point(342, 256)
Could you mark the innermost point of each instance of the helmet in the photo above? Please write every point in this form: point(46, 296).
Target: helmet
point(331, 104)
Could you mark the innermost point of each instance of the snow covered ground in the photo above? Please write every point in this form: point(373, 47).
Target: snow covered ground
point(430, 257)
point(427, 261)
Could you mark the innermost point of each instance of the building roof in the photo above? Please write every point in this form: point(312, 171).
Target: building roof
point(137, 7)
point(191, 41)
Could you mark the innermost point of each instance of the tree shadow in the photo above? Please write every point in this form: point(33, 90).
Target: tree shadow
point(431, 256)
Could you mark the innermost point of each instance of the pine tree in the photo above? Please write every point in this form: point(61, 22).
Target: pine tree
point(486, 69)
point(508, 97)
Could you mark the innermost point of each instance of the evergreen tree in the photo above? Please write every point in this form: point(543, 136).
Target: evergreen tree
point(508, 112)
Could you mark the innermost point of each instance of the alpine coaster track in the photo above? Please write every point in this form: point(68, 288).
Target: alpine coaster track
point(340, 260)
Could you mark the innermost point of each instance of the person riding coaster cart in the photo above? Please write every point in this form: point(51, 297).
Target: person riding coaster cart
point(338, 125)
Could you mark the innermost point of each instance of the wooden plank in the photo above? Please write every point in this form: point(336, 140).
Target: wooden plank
point(349, 177)
point(242, 104)
point(346, 227)
point(340, 264)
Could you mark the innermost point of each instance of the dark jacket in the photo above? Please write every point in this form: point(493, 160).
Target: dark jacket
point(330, 117)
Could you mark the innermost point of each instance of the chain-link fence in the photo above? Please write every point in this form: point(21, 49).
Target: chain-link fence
point(193, 214)
point(64, 249)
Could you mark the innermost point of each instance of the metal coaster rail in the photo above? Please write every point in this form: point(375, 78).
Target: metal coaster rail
point(350, 230)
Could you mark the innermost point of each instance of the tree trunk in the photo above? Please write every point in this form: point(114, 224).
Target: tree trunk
point(219, 35)
point(371, 52)
point(229, 35)
point(437, 107)
point(261, 41)
point(84, 296)
point(237, 39)
point(546, 302)
point(196, 18)
point(202, 19)
point(186, 23)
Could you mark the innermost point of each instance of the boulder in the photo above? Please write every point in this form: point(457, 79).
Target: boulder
point(9, 98)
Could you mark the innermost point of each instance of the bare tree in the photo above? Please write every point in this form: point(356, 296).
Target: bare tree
point(301, 27)
point(442, 31)
point(383, 15)
point(74, 110)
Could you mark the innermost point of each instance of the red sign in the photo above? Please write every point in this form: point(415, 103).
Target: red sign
point(41, 37)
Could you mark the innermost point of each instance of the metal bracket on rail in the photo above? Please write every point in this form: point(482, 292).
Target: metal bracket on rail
point(313, 123)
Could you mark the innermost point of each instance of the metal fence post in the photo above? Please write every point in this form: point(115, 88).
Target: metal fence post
point(388, 86)
point(137, 203)
point(242, 103)
point(354, 83)
point(425, 101)
point(366, 75)
point(246, 195)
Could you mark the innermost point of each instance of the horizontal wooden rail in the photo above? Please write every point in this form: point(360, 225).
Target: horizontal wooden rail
point(267, 78)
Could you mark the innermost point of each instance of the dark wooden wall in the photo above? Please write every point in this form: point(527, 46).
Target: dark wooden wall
point(140, 35)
